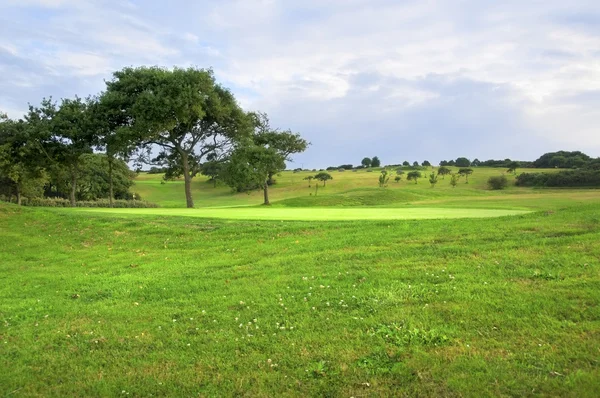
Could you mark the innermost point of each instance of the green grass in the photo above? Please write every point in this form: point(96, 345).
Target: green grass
point(356, 291)
point(96, 304)
point(310, 213)
point(360, 189)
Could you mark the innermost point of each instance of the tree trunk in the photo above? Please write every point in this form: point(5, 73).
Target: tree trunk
point(111, 194)
point(73, 186)
point(18, 194)
point(266, 194)
point(187, 179)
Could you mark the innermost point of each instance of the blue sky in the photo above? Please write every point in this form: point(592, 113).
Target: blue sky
point(403, 80)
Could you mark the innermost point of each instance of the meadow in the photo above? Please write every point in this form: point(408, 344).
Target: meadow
point(312, 298)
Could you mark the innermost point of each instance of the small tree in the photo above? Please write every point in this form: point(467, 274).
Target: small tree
point(366, 162)
point(415, 164)
point(375, 162)
point(309, 178)
point(398, 178)
point(323, 176)
point(497, 182)
point(433, 179)
point(399, 172)
point(513, 166)
point(454, 179)
point(465, 172)
point(426, 163)
point(383, 179)
point(443, 171)
point(405, 163)
point(413, 176)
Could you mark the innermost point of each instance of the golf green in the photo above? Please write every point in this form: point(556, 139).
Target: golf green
point(314, 213)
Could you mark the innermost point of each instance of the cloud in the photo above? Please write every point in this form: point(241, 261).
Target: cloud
point(399, 79)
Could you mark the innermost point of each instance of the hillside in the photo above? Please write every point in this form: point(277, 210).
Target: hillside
point(361, 189)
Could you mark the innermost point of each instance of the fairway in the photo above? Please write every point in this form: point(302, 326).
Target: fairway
point(315, 214)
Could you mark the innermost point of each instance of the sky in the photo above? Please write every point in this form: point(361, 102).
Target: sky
point(401, 80)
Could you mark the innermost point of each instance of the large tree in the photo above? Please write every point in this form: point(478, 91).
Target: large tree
point(366, 162)
point(20, 166)
point(64, 134)
point(183, 112)
point(375, 162)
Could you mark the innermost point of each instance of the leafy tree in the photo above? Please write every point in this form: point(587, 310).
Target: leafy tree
point(465, 172)
point(323, 176)
point(413, 176)
point(513, 166)
point(443, 171)
point(415, 164)
point(476, 163)
point(266, 151)
point(497, 182)
point(309, 178)
point(444, 163)
point(249, 166)
point(284, 143)
point(462, 162)
point(213, 169)
point(366, 162)
point(399, 172)
point(405, 163)
point(65, 133)
point(426, 163)
point(454, 179)
point(20, 168)
point(433, 179)
point(561, 159)
point(375, 162)
point(182, 111)
point(451, 163)
point(398, 178)
point(383, 178)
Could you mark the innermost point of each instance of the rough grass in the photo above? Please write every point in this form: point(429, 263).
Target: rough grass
point(360, 189)
point(98, 305)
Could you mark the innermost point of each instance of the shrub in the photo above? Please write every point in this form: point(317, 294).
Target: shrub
point(567, 178)
point(59, 202)
point(497, 182)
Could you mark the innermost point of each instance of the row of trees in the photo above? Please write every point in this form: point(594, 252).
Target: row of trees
point(180, 120)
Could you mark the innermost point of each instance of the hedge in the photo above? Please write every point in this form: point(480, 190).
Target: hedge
point(566, 178)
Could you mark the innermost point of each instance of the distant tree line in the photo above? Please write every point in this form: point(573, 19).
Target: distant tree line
point(180, 121)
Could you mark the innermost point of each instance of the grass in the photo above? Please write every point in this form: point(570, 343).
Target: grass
point(308, 213)
point(94, 304)
point(152, 302)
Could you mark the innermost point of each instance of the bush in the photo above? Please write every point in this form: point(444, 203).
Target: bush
point(567, 178)
point(497, 182)
point(59, 202)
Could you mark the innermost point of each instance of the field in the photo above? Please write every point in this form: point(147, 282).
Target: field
point(346, 293)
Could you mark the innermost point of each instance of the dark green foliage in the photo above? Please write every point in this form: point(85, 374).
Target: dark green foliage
point(443, 171)
point(461, 162)
point(59, 202)
point(466, 172)
point(497, 182)
point(413, 176)
point(375, 162)
point(426, 163)
point(405, 163)
point(366, 162)
point(323, 176)
point(566, 178)
point(398, 178)
point(562, 159)
point(513, 166)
